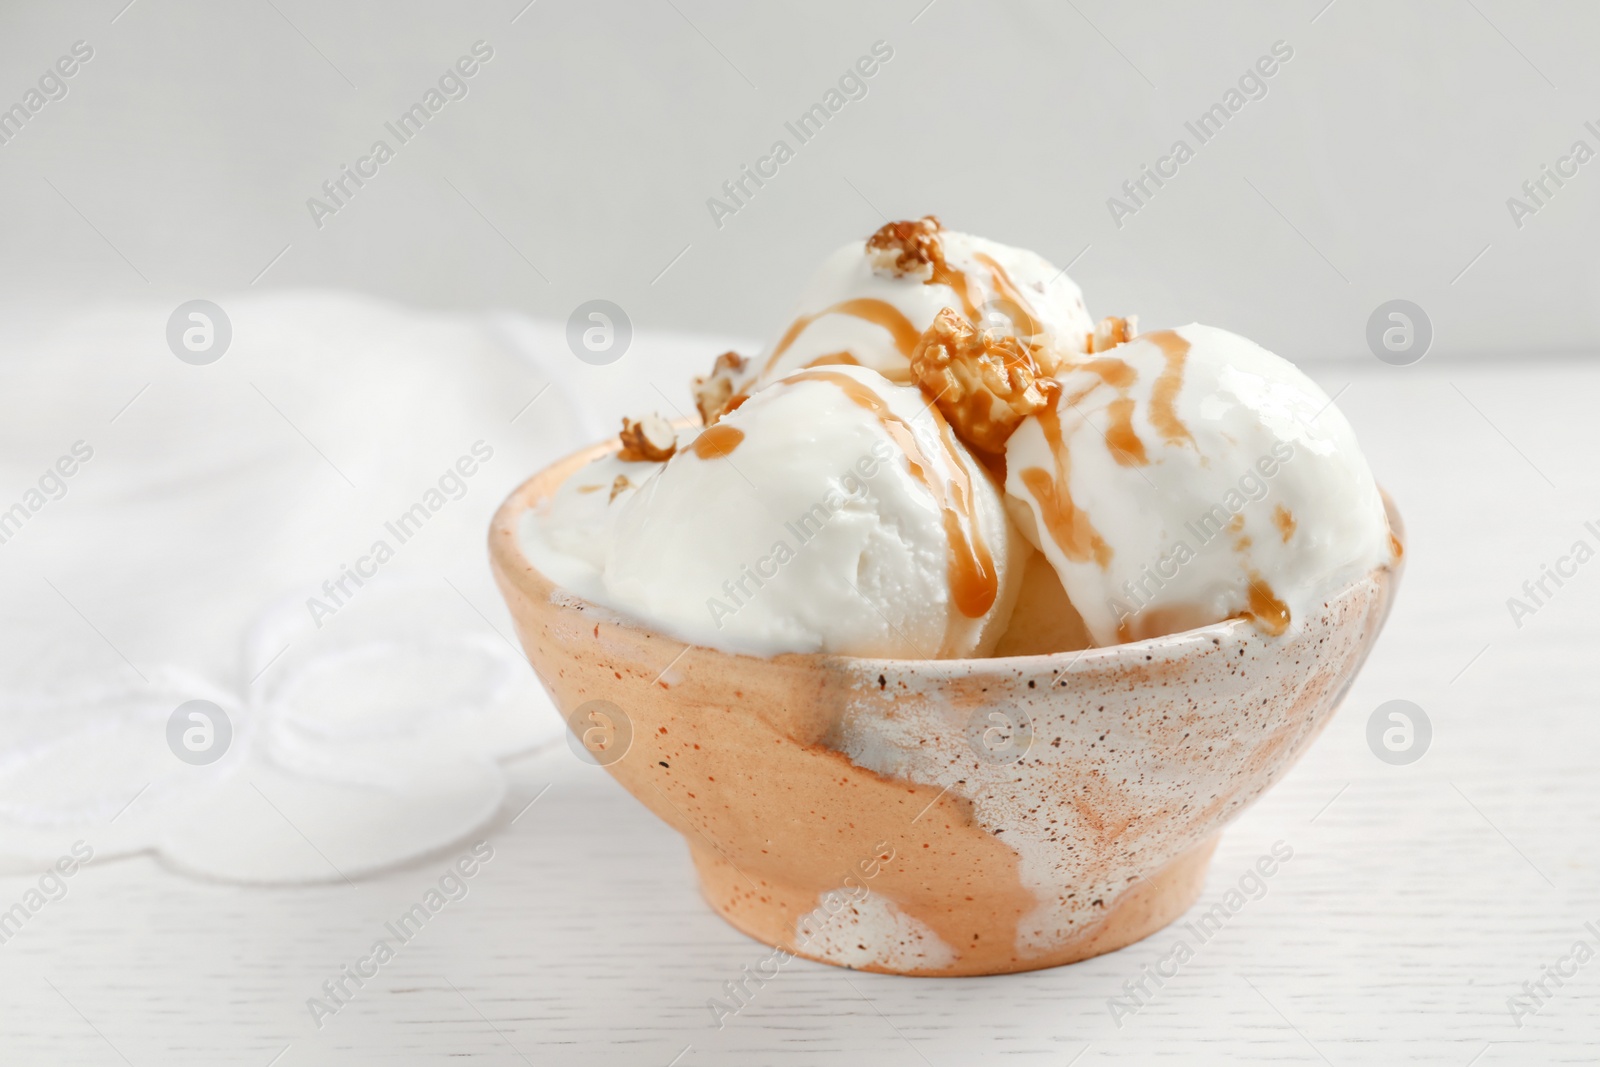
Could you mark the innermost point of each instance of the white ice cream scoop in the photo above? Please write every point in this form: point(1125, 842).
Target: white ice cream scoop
point(572, 529)
point(1190, 476)
point(869, 302)
point(834, 511)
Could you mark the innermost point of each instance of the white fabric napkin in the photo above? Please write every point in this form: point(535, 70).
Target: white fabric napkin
point(207, 545)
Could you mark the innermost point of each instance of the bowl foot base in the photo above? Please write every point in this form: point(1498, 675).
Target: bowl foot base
point(872, 934)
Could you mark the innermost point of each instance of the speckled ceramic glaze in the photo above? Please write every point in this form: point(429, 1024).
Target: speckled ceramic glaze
point(946, 817)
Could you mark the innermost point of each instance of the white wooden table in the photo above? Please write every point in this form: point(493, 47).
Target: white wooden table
point(1418, 899)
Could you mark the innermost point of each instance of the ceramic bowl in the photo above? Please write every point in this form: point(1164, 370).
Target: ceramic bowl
point(941, 817)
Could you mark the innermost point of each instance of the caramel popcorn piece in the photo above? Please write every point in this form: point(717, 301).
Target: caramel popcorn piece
point(1111, 332)
point(907, 247)
point(647, 440)
point(722, 390)
point(984, 382)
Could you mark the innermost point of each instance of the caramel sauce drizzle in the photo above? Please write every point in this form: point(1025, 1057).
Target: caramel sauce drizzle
point(898, 375)
point(868, 309)
point(1284, 520)
point(956, 279)
point(835, 359)
point(1015, 304)
point(1112, 371)
point(884, 314)
point(1121, 438)
point(1126, 448)
point(1270, 615)
point(1069, 525)
point(1164, 394)
point(974, 581)
point(718, 441)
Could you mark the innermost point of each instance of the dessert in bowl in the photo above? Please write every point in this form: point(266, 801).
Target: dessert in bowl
point(952, 637)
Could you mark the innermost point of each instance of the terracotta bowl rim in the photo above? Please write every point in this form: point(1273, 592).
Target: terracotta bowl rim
point(506, 550)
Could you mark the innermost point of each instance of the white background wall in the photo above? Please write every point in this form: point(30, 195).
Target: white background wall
point(1378, 165)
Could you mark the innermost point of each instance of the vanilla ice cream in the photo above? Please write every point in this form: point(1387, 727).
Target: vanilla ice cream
point(869, 303)
point(567, 535)
point(1190, 476)
point(869, 484)
point(834, 511)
